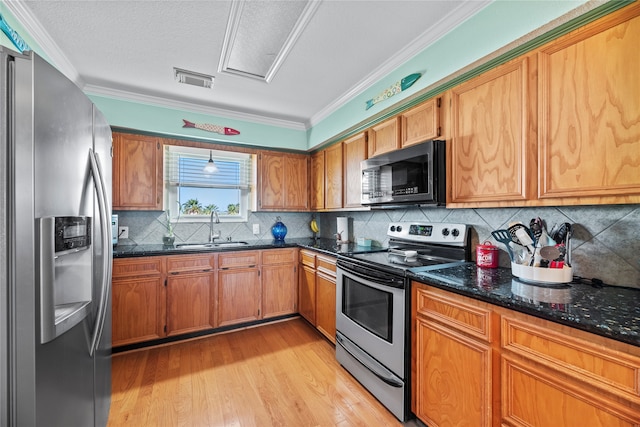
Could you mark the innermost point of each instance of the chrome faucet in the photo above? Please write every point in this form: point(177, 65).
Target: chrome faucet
point(212, 235)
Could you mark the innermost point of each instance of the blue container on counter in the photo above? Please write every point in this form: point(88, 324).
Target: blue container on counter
point(279, 230)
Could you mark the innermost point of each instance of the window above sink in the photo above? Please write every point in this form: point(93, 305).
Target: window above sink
point(192, 193)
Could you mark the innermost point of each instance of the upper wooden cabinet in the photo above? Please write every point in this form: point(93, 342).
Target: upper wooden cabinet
point(137, 172)
point(283, 181)
point(317, 181)
point(559, 126)
point(384, 137)
point(420, 123)
point(492, 141)
point(354, 152)
point(333, 177)
point(589, 128)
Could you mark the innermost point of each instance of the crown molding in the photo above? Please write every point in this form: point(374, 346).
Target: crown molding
point(49, 47)
point(427, 38)
point(188, 106)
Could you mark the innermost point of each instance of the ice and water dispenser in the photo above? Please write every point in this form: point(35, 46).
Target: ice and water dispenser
point(65, 276)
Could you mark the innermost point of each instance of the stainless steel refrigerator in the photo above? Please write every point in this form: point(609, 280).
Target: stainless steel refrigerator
point(55, 249)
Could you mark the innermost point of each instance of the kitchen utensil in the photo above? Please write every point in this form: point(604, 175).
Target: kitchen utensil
point(559, 234)
point(513, 230)
point(550, 253)
point(504, 237)
point(536, 225)
point(567, 243)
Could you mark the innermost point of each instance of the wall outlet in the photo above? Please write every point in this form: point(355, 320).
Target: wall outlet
point(256, 228)
point(123, 232)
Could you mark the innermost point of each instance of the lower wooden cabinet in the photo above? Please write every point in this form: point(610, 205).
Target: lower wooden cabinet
point(163, 296)
point(317, 291)
point(453, 361)
point(138, 300)
point(239, 291)
point(476, 364)
point(326, 296)
point(279, 282)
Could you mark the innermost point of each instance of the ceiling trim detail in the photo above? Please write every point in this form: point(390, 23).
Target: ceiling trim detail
point(188, 106)
point(233, 27)
point(427, 38)
point(44, 40)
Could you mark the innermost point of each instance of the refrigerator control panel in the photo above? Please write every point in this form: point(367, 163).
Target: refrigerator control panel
point(72, 233)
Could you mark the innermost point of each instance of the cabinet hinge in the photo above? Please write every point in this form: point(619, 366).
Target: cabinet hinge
point(165, 329)
point(258, 273)
point(158, 145)
point(165, 284)
point(438, 102)
point(439, 130)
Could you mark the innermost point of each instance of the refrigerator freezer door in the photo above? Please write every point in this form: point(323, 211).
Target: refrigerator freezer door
point(63, 136)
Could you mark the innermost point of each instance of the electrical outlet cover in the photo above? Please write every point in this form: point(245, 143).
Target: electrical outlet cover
point(256, 228)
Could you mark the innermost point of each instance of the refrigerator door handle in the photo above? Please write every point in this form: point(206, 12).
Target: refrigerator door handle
point(105, 228)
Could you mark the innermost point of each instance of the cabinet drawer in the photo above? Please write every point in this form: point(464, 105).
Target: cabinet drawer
point(190, 263)
point(131, 267)
point(238, 259)
point(459, 313)
point(326, 264)
point(608, 369)
point(308, 258)
point(279, 256)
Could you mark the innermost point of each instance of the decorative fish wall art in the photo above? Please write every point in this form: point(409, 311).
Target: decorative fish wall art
point(394, 89)
point(210, 128)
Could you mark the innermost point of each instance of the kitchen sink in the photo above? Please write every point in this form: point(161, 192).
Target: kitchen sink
point(218, 245)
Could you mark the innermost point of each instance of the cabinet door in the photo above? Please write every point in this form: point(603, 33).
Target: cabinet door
point(491, 144)
point(384, 137)
point(137, 172)
point(333, 176)
point(453, 377)
point(538, 398)
point(239, 296)
point(283, 181)
point(271, 181)
point(421, 123)
point(190, 303)
point(326, 305)
point(296, 189)
point(307, 293)
point(590, 114)
point(317, 181)
point(355, 151)
point(279, 290)
point(138, 309)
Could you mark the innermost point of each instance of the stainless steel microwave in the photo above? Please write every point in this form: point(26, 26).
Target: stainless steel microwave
point(413, 175)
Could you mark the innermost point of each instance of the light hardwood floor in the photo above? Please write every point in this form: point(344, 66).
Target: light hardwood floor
point(281, 374)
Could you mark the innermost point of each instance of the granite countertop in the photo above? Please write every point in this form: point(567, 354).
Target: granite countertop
point(612, 312)
point(327, 246)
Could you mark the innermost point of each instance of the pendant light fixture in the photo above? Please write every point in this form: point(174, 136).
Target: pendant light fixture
point(210, 168)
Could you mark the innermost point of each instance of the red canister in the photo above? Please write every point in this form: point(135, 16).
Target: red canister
point(487, 255)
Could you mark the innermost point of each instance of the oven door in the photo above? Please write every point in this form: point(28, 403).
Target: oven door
point(370, 312)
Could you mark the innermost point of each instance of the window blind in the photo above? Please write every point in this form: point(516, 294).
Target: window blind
point(184, 167)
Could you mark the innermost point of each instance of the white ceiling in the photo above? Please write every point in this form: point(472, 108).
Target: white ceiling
point(128, 49)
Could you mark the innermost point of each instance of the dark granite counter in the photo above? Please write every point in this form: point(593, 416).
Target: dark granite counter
point(327, 246)
point(612, 312)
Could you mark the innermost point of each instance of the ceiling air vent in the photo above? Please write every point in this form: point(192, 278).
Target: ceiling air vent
point(193, 78)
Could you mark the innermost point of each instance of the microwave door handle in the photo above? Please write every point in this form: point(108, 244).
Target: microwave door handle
point(105, 225)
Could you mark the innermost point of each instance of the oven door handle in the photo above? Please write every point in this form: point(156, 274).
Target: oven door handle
point(372, 274)
point(382, 373)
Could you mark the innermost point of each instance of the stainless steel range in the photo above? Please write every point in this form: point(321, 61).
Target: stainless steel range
point(373, 307)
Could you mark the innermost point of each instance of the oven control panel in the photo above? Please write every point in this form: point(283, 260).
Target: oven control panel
point(440, 232)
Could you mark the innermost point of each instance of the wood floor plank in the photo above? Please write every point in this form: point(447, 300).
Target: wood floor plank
point(281, 374)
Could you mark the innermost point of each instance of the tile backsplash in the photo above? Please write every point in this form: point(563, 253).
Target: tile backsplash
point(606, 240)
